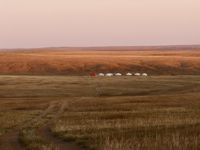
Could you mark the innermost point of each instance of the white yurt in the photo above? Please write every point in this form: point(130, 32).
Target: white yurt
point(109, 74)
point(118, 74)
point(137, 74)
point(145, 74)
point(129, 74)
point(101, 74)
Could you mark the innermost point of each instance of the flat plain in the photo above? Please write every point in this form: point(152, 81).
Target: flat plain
point(101, 113)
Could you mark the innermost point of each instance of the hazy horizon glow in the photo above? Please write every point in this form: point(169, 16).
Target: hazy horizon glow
point(52, 23)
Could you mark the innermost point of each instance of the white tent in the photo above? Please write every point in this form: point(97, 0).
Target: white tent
point(137, 74)
point(101, 74)
point(118, 74)
point(145, 74)
point(109, 74)
point(129, 74)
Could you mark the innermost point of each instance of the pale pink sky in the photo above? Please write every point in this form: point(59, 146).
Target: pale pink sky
point(45, 23)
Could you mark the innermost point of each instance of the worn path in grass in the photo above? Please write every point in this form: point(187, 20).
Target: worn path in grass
point(46, 134)
point(57, 142)
point(10, 140)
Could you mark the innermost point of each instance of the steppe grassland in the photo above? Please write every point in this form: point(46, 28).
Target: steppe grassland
point(15, 113)
point(161, 112)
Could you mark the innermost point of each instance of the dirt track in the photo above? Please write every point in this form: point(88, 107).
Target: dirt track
point(58, 143)
point(46, 134)
point(10, 141)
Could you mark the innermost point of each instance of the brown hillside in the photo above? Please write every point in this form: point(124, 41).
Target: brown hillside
point(82, 61)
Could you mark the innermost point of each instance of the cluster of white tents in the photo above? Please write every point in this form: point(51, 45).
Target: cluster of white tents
point(120, 74)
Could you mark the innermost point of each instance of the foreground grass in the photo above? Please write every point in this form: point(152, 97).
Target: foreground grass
point(32, 141)
point(129, 124)
point(126, 113)
point(16, 113)
point(15, 119)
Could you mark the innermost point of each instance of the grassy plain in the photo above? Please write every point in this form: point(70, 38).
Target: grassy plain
point(118, 113)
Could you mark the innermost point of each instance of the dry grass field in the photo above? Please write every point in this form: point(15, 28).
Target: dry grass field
point(84, 113)
point(72, 61)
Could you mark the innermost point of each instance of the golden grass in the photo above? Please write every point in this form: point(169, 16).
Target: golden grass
point(126, 113)
point(32, 141)
point(83, 62)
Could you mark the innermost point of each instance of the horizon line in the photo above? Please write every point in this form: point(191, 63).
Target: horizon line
point(111, 46)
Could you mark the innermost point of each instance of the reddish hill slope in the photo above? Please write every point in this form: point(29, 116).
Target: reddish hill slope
point(82, 61)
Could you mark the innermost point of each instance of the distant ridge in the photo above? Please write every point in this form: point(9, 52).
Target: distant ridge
point(112, 48)
point(169, 60)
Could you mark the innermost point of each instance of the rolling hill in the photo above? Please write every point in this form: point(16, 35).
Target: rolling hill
point(80, 61)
